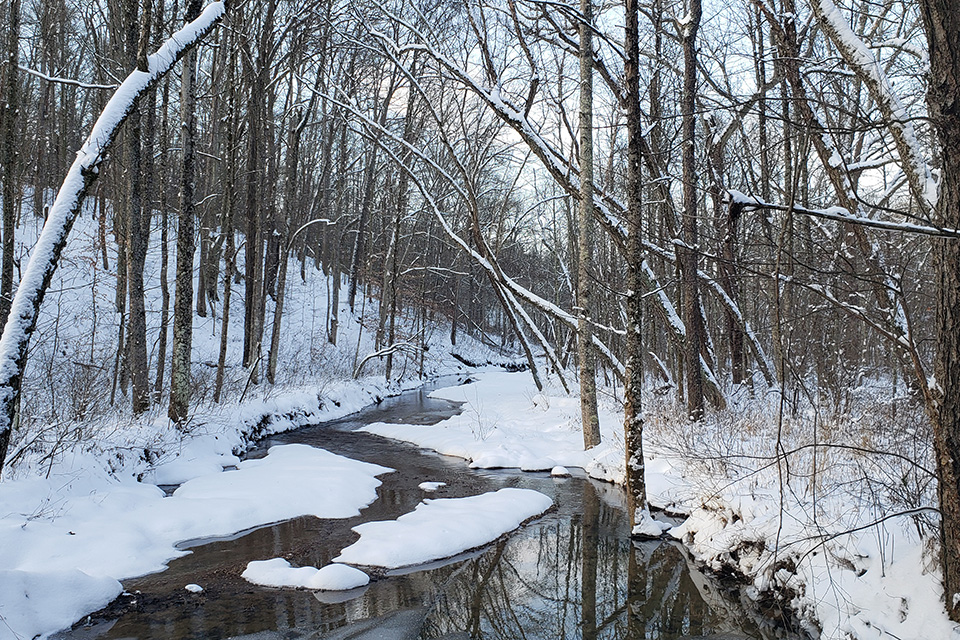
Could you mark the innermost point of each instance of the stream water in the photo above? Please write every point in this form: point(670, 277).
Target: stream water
point(573, 573)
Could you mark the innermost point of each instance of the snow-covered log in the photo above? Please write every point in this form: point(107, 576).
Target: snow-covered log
point(69, 201)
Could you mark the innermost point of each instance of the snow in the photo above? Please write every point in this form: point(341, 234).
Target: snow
point(431, 486)
point(65, 209)
point(507, 423)
point(879, 582)
point(34, 603)
point(442, 528)
point(560, 472)
point(898, 120)
point(648, 527)
point(194, 588)
point(277, 572)
point(65, 541)
point(89, 504)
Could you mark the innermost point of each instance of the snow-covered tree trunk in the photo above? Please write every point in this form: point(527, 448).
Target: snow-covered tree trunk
point(942, 22)
point(65, 209)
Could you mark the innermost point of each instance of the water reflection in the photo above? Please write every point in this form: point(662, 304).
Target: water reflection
point(576, 576)
point(574, 573)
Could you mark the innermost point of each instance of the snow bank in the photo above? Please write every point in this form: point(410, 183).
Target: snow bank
point(882, 581)
point(442, 528)
point(35, 603)
point(66, 540)
point(277, 572)
point(507, 423)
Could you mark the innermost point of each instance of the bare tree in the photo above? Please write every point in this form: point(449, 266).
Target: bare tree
point(182, 345)
point(8, 156)
point(588, 377)
point(65, 209)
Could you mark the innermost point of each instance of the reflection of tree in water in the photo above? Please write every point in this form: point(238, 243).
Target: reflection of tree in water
point(576, 578)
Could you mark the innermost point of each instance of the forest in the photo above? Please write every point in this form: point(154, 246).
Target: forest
point(731, 229)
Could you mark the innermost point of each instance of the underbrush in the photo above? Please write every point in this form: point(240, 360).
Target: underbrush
point(826, 507)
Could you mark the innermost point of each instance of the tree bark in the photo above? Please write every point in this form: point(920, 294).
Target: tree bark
point(692, 318)
point(8, 157)
point(633, 375)
point(942, 22)
point(138, 225)
point(588, 377)
point(186, 245)
point(158, 385)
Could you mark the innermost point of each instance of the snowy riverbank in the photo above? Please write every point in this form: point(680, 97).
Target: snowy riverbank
point(877, 582)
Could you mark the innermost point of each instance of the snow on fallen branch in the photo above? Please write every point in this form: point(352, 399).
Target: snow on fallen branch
point(65, 209)
point(382, 353)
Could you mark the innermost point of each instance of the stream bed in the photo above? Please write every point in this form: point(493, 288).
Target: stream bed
point(572, 573)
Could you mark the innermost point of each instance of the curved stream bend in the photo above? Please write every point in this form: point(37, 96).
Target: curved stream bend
point(573, 573)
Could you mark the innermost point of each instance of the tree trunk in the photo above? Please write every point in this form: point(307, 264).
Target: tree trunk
point(64, 211)
point(336, 275)
point(158, 385)
point(942, 22)
point(369, 182)
point(8, 157)
point(588, 377)
point(138, 227)
point(692, 318)
point(183, 297)
point(633, 375)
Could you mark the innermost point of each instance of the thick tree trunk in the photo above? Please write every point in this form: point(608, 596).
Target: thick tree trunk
point(186, 245)
point(138, 227)
point(585, 354)
point(942, 22)
point(692, 318)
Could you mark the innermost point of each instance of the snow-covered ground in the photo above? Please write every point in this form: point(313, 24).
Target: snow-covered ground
point(878, 582)
point(66, 541)
point(80, 506)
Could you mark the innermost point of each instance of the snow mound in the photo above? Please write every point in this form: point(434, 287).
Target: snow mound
point(442, 528)
point(647, 527)
point(431, 486)
point(277, 572)
point(560, 472)
point(194, 588)
point(34, 603)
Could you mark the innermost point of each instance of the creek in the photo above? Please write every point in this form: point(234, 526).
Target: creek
point(572, 573)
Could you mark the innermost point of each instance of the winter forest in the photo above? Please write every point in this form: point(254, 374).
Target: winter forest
point(655, 298)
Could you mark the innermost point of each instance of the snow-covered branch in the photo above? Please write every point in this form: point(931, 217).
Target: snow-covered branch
point(65, 209)
point(839, 214)
point(68, 81)
point(859, 58)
